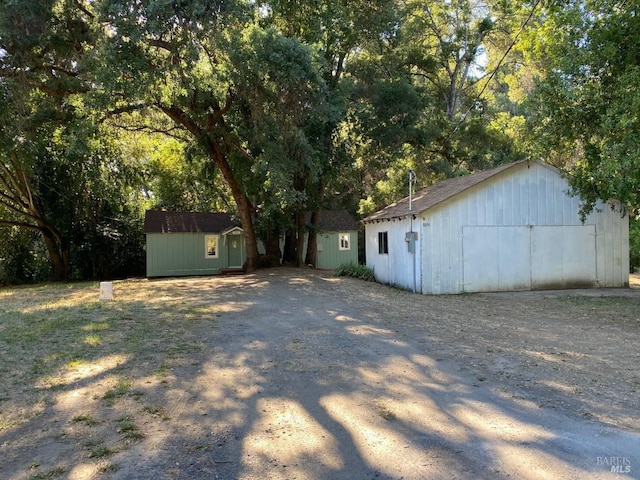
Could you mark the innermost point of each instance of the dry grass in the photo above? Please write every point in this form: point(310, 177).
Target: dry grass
point(69, 359)
point(53, 337)
point(90, 376)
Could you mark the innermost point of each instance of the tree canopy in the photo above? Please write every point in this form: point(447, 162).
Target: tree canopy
point(274, 109)
point(584, 111)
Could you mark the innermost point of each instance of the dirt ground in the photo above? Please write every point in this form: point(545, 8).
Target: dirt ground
point(295, 374)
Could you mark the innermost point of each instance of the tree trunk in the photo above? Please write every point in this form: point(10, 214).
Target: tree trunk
point(215, 151)
point(272, 244)
point(243, 204)
point(300, 243)
point(312, 243)
point(57, 254)
point(246, 218)
point(290, 243)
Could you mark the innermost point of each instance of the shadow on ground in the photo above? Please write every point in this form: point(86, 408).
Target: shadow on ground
point(287, 375)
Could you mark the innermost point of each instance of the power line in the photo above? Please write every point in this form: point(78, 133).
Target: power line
point(495, 70)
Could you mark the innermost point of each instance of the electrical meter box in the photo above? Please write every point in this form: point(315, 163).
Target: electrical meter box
point(411, 238)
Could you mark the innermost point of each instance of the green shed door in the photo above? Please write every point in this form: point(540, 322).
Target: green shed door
point(234, 249)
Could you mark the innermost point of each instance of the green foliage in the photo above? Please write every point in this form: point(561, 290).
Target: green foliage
point(54, 472)
point(275, 109)
point(584, 112)
point(75, 189)
point(420, 102)
point(281, 94)
point(23, 259)
point(128, 428)
point(178, 176)
point(321, 174)
point(356, 270)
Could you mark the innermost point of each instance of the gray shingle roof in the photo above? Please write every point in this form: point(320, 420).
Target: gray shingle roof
point(157, 221)
point(335, 221)
point(437, 193)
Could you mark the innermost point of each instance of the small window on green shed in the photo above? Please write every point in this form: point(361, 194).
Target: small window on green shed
point(211, 243)
point(345, 241)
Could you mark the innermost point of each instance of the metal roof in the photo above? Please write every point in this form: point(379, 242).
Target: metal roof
point(437, 193)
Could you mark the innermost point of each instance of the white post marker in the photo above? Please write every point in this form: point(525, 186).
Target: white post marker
point(106, 291)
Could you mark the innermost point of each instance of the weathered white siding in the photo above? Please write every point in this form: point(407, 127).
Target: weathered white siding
point(398, 267)
point(534, 195)
point(533, 238)
point(528, 257)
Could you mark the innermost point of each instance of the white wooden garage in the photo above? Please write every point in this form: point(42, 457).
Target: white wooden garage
point(511, 228)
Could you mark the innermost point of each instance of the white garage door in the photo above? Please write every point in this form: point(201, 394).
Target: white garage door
point(496, 258)
point(528, 257)
point(563, 257)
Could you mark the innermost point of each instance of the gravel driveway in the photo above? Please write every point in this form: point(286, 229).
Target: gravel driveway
point(314, 377)
point(311, 377)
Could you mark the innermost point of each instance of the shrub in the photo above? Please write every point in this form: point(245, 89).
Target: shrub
point(356, 270)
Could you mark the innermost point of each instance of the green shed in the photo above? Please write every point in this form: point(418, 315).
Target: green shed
point(182, 243)
point(337, 239)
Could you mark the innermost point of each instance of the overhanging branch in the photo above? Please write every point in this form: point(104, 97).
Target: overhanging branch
point(134, 107)
point(7, 202)
point(12, 223)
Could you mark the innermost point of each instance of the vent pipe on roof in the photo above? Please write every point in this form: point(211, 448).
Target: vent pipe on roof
point(412, 179)
point(411, 236)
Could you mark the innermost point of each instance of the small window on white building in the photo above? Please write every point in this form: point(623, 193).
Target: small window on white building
point(345, 241)
point(211, 243)
point(383, 243)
